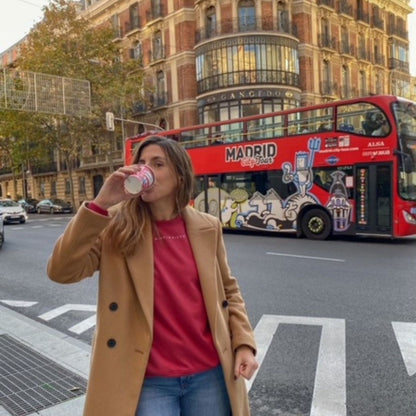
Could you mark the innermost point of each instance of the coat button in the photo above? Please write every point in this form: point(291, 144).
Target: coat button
point(224, 303)
point(111, 343)
point(113, 306)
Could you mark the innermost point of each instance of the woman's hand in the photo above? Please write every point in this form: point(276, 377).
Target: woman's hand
point(112, 192)
point(245, 362)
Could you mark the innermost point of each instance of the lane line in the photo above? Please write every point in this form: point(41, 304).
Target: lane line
point(271, 253)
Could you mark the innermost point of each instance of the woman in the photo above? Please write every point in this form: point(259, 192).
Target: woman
point(172, 336)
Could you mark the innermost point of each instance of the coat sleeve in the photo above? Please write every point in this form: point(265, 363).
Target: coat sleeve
point(240, 327)
point(77, 251)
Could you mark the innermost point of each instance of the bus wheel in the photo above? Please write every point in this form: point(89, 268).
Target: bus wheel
point(316, 224)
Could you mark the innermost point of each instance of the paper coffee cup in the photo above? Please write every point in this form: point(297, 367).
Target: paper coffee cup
point(139, 181)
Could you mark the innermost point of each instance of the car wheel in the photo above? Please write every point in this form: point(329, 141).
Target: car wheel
point(316, 224)
point(1, 239)
point(22, 221)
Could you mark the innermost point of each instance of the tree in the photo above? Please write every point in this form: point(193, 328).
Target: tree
point(66, 44)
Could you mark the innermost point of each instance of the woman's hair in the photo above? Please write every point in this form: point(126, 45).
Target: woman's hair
point(130, 220)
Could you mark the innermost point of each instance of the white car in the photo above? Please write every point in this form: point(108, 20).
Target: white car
point(11, 211)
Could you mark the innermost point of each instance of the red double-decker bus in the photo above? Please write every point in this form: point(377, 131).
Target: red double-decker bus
point(345, 167)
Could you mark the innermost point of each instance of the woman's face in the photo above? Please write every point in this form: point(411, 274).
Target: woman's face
point(166, 182)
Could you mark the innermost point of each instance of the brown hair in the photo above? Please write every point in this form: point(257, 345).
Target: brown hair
point(129, 221)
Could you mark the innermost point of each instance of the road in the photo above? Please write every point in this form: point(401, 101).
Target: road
point(335, 320)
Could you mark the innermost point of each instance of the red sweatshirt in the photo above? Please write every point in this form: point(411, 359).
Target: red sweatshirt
point(182, 341)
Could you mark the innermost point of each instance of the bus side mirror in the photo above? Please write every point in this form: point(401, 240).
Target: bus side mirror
point(407, 160)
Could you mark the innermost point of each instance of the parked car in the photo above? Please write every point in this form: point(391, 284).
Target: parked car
point(54, 205)
point(1, 231)
point(11, 211)
point(29, 204)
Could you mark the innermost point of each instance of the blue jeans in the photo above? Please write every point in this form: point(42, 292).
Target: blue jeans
point(201, 394)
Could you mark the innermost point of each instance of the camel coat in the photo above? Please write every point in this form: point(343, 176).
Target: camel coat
point(123, 335)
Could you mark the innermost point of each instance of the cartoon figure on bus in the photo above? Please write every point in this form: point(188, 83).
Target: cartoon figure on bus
point(338, 204)
point(302, 178)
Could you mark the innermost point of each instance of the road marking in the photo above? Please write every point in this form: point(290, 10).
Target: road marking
point(84, 325)
point(305, 257)
point(66, 308)
point(18, 303)
point(406, 338)
point(329, 395)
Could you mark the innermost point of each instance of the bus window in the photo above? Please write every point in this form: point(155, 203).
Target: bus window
point(233, 132)
point(361, 118)
point(312, 121)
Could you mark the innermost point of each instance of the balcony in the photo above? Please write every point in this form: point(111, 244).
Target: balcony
point(378, 60)
point(345, 8)
point(327, 42)
point(345, 48)
point(397, 64)
point(234, 26)
point(101, 159)
point(329, 89)
point(363, 54)
point(378, 23)
point(363, 17)
point(159, 100)
point(327, 3)
point(156, 12)
point(398, 31)
point(247, 77)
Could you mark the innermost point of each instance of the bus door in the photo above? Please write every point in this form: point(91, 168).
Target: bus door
point(373, 199)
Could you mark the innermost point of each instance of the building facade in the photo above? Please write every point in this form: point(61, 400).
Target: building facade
point(212, 60)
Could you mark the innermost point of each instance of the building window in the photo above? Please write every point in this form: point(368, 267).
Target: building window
point(158, 46)
point(81, 189)
point(326, 34)
point(327, 85)
point(53, 188)
point(67, 187)
point(362, 51)
point(363, 83)
point(346, 89)
point(211, 22)
point(246, 15)
point(345, 42)
point(378, 84)
point(156, 9)
point(282, 17)
point(160, 98)
point(134, 16)
point(137, 52)
point(115, 21)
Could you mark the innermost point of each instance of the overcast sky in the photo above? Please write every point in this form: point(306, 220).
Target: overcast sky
point(17, 17)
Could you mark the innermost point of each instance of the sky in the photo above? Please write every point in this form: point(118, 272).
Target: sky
point(17, 17)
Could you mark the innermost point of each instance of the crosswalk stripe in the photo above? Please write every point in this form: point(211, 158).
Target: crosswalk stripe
point(329, 396)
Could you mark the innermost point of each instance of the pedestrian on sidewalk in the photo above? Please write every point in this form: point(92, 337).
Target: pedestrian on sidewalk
point(173, 336)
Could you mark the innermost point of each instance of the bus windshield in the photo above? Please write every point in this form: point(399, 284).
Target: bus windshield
point(405, 115)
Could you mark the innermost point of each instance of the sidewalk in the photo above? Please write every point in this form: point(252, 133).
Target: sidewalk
point(57, 349)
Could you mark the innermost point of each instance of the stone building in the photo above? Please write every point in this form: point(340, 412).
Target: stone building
point(210, 60)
